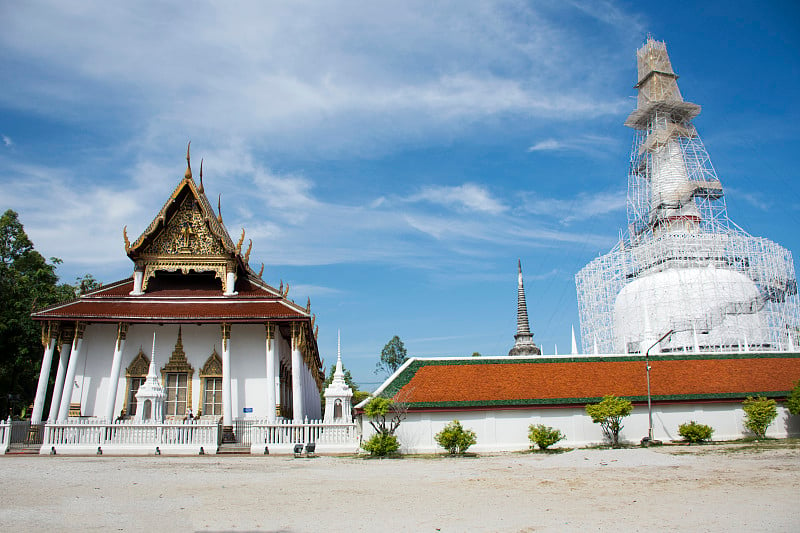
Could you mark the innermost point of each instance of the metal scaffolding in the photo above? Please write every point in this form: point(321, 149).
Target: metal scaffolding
point(682, 265)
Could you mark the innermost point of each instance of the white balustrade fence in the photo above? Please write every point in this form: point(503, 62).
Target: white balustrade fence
point(5, 436)
point(281, 435)
point(124, 436)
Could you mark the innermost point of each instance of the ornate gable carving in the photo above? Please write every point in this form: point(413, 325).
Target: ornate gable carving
point(213, 366)
point(186, 233)
point(139, 366)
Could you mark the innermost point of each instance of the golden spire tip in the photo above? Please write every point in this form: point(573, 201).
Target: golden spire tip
point(188, 174)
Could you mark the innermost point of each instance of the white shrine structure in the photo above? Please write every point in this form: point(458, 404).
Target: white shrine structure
point(338, 396)
point(236, 351)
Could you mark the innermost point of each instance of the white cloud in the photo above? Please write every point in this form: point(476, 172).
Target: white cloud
point(467, 197)
point(306, 76)
point(755, 199)
point(594, 145)
point(582, 207)
point(7, 141)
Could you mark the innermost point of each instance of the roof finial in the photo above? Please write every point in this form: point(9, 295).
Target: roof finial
point(188, 174)
point(261, 272)
point(200, 189)
point(219, 208)
point(239, 244)
point(247, 254)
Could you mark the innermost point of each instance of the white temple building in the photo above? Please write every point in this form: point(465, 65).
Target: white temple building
point(229, 345)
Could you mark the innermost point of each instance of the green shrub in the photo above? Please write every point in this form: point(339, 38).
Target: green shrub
point(609, 414)
point(759, 414)
point(694, 432)
point(381, 445)
point(544, 436)
point(793, 401)
point(455, 439)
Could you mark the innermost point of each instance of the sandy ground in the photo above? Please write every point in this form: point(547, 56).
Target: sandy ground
point(699, 488)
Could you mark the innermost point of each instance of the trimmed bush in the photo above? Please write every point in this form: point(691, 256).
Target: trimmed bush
point(759, 414)
point(455, 439)
point(544, 436)
point(609, 414)
point(694, 432)
point(381, 445)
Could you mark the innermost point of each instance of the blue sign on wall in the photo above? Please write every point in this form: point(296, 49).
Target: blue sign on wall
point(248, 409)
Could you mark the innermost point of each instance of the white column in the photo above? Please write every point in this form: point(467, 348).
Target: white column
point(69, 379)
point(116, 364)
point(63, 359)
point(271, 374)
point(44, 373)
point(297, 375)
point(138, 279)
point(227, 407)
point(230, 284)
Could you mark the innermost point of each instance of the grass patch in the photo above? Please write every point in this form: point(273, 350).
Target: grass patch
point(547, 451)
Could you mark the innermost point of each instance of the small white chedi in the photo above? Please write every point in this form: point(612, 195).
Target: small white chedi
point(150, 396)
point(338, 396)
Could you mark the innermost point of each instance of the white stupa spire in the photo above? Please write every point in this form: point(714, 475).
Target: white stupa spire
point(338, 395)
point(150, 396)
point(523, 340)
point(574, 342)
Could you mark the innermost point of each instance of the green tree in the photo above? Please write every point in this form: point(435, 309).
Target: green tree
point(609, 414)
point(793, 400)
point(385, 416)
point(27, 282)
point(476, 354)
point(759, 414)
point(455, 439)
point(393, 356)
point(86, 284)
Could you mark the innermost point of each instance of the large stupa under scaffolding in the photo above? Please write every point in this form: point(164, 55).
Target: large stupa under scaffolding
point(683, 265)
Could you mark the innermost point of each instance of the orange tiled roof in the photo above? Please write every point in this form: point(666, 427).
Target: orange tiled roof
point(517, 381)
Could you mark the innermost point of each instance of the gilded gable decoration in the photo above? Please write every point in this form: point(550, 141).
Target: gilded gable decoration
point(213, 366)
point(139, 365)
point(177, 361)
point(187, 235)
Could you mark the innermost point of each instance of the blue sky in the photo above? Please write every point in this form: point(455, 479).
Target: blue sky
point(390, 160)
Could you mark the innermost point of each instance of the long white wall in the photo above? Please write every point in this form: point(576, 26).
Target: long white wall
point(507, 429)
point(248, 364)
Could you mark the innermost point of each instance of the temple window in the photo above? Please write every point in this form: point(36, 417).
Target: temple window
point(211, 377)
point(177, 388)
point(212, 402)
point(177, 377)
point(135, 375)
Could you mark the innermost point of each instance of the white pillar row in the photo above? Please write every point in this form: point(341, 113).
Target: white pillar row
point(297, 373)
point(49, 339)
point(67, 335)
point(271, 358)
point(116, 364)
point(227, 407)
point(69, 379)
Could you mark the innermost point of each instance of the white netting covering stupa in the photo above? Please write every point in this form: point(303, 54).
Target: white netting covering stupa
point(683, 266)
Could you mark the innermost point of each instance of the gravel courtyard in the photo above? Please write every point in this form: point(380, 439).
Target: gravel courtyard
point(732, 487)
